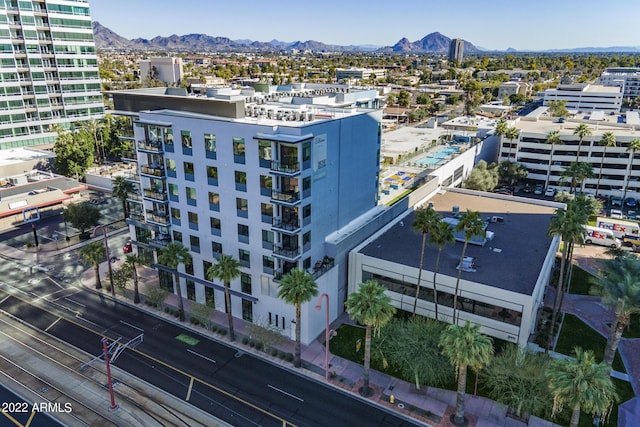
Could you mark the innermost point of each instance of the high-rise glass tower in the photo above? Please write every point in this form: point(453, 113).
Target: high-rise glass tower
point(48, 69)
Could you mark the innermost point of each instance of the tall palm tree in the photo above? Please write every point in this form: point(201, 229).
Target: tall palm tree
point(472, 225)
point(568, 224)
point(441, 235)
point(94, 127)
point(511, 134)
point(578, 172)
point(632, 147)
point(581, 130)
point(120, 189)
point(370, 306)
point(296, 288)
point(131, 262)
point(554, 139)
point(608, 140)
point(501, 128)
point(582, 384)
point(424, 220)
point(466, 348)
point(172, 256)
point(94, 254)
point(226, 269)
point(619, 287)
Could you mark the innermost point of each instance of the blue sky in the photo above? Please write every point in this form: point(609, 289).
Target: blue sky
point(491, 24)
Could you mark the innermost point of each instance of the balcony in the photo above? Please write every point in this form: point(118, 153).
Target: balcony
point(287, 169)
point(289, 198)
point(128, 156)
point(289, 226)
point(132, 176)
point(150, 146)
point(152, 171)
point(159, 242)
point(287, 253)
point(134, 197)
point(155, 195)
point(158, 217)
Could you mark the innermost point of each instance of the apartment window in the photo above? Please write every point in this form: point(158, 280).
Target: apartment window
point(306, 155)
point(245, 283)
point(266, 185)
point(267, 239)
point(209, 297)
point(238, 150)
point(306, 215)
point(171, 168)
point(214, 202)
point(216, 249)
point(212, 175)
point(193, 220)
point(215, 226)
point(267, 212)
point(210, 145)
point(191, 290)
point(177, 236)
point(243, 233)
point(247, 310)
point(185, 137)
point(168, 139)
point(243, 257)
point(306, 241)
point(306, 187)
point(306, 263)
point(189, 171)
point(191, 196)
point(206, 265)
point(264, 151)
point(268, 265)
point(241, 181)
point(175, 216)
point(242, 207)
point(194, 242)
point(173, 192)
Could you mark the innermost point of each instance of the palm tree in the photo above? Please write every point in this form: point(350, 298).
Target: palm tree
point(93, 127)
point(582, 384)
point(608, 140)
point(441, 235)
point(120, 189)
point(466, 348)
point(632, 147)
point(619, 287)
point(581, 130)
point(226, 269)
point(423, 221)
point(501, 128)
point(554, 139)
point(173, 255)
point(296, 288)
point(578, 172)
point(94, 254)
point(511, 134)
point(131, 262)
point(472, 225)
point(569, 225)
point(370, 306)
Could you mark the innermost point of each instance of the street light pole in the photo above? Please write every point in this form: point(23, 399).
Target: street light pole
point(326, 334)
point(112, 395)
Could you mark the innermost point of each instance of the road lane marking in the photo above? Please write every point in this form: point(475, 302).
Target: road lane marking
point(284, 392)
point(51, 325)
point(131, 326)
point(76, 302)
point(5, 298)
point(198, 354)
point(190, 388)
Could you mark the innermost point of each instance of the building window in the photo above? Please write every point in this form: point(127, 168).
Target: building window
point(191, 290)
point(216, 249)
point(243, 257)
point(189, 173)
point(194, 242)
point(214, 202)
point(241, 181)
point(209, 297)
point(191, 196)
point(264, 151)
point(238, 150)
point(210, 145)
point(266, 185)
point(242, 207)
point(268, 264)
point(193, 220)
point(212, 175)
point(175, 216)
point(306, 215)
point(243, 233)
point(215, 226)
point(306, 241)
point(173, 192)
point(306, 187)
point(247, 310)
point(177, 236)
point(267, 239)
point(245, 283)
point(306, 263)
point(185, 136)
point(267, 212)
point(171, 168)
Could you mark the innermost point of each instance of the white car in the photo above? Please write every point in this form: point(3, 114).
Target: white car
point(550, 192)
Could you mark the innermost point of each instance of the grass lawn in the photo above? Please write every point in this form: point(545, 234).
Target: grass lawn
point(576, 333)
point(580, 281)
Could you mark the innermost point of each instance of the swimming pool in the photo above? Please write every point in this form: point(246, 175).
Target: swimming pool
point(437, 157)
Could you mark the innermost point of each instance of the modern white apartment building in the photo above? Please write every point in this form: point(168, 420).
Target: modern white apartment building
point(586, 97)
point(626, 77)
point(168, 70)
point(49, 69)
point(276, 180)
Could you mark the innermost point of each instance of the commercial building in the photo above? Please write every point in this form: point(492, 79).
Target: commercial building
point(586, 97)
point(279, 180)
point(626, 77)
point(49, 70)
point(168, 70)
point(507, 89)
point(353, 73)
point(456, 50)
point(504, 274)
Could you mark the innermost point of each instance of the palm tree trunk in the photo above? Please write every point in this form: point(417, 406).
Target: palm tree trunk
point(415, 301)
point(435, 289)
point(297, 361)
point(366, 391)
point(179, 292)
point(613, 340)
point(601, 165)
point(455, 295)
point(546, 183)
point(558, 298)
point(462, 384)
point(575, 416)
point(578, 153)
point(97, 273)
point(136, 292)
point(626, 181)
point(227, 299)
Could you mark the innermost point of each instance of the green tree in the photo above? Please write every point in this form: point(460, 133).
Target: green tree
point(82, 216)
point(424, 220)
point(404, 98)
point(226, 269)
point(466, 348)
point(511, 172)
point(619, 286)
point(74, 154)
point(472, 95)
point(93, 129)
point(558, 108)
point(172, 256)
point(511, 134)
point(296, 288)
point(482, 177)
point(501, 128)
point(582, 130)
point(370, 306)
point(553, 138)
point(578, 172)
point(472, 225)
point(131, 262)
point(94, 253)
point(582, 385)
point(120, 189)
point(632, 147)
point(441, 235)
point(608, 140)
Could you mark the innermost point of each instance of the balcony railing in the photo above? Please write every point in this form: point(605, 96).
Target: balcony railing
point(157, 171)
point(155, 195)
point(287, 252)
point(289, 225)
point(134, 197)
point(158, 217)
point(285, 197)
point(290, 168)
point(152, 146)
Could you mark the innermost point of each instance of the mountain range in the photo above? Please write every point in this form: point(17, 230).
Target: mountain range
point(431, 43)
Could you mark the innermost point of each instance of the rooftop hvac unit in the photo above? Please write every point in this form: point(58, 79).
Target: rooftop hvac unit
point(311, 117)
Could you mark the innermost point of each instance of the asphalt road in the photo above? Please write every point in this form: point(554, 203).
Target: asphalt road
point(14, 410)
point(234, 386)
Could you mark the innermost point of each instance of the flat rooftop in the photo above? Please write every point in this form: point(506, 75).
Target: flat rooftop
point(22, 154)
point(511, 261)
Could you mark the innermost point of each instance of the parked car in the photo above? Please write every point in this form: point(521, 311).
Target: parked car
point(616, 201)
point(503, 190)
point(539, 189)
point(526, 188)
point(127, 248)
point(630, 202)
point(615, 213)
point(550, 192)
